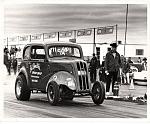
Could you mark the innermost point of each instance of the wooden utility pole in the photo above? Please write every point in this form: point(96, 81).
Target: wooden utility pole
point(58, 36)
point(94, 45)
point(75, 34)
point(126, 29)
point(30, 37)
point(43, 36)
point(116, 32)
point(7, 42)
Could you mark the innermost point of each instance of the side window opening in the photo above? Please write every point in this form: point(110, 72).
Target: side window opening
point(37, 52)
point(26, 54)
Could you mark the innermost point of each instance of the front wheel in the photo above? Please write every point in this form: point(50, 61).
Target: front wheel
point(98, 93)
point(53, 93)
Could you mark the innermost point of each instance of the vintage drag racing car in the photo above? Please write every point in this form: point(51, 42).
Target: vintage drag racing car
point(58, 69)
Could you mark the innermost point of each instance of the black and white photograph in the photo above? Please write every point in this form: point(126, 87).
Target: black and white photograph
point(73, 60)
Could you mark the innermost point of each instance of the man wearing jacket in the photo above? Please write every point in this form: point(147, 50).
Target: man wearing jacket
point(93, 67)
point(112, 66)
point(7, 61)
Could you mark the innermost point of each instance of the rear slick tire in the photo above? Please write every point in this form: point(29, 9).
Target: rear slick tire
point(22, 90)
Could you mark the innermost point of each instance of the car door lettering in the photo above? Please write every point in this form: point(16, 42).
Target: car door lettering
point(34, 66)
point(36, 72)
point(33, 76)
point(34, 80)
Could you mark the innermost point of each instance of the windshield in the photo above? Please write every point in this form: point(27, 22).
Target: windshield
point(64, 51)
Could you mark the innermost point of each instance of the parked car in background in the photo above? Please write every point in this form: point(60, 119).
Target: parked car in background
point(139, 75)
point(140, 78)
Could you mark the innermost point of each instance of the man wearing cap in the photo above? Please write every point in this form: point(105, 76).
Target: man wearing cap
point(112, 66)
point(144, 64)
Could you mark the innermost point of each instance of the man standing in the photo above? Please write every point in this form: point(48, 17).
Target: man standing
point(7, 61)
point(129, 60)
point(112, 66)
point(14, 64)
point(93, 67)
point(125, 71)
point(144, 64)
point(139, 60)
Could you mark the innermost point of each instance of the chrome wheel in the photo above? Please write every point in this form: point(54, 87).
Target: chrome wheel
point(51, 93)
point(98, 93)
point(22, 90)
point(18, 88)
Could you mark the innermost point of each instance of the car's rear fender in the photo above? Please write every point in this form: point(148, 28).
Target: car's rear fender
point(24, 72)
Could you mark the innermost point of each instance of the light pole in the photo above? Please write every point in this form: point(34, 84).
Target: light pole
point(7, 42)
point(116, 32)
point(126, 28)
point(58, 36)
point(75, 34)
point(94, 44)
point(43, 36)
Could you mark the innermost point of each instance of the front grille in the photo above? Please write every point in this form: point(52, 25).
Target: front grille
point(83, 76)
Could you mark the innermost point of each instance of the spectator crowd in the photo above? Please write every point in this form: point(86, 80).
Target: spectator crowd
point(114, 68)
point(10, 60)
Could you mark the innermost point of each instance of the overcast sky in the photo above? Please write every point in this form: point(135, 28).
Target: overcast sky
point(43, 18)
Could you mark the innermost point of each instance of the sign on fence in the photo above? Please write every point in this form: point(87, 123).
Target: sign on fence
point(23, 38)
point(105, 30)
point(65, 34)
point(84, 32)
point(36, 37)
point(49, 35)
